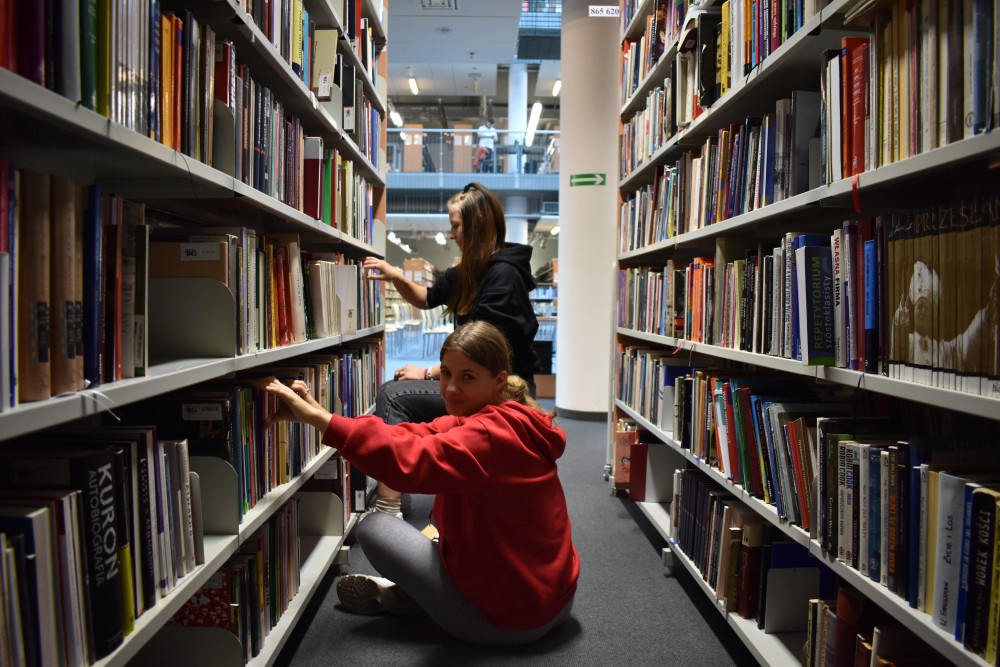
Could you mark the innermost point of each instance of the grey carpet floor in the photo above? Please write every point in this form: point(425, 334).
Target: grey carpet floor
point(627, 612)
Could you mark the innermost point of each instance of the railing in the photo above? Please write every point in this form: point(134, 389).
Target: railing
point(426, 150)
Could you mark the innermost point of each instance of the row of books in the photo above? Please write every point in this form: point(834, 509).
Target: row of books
point(337, 85)
point(249, 593)
point(287, 25)
point(169, 79)
point(845, 630)
point(647, 131)
point(73, 286)
point(78, 262)
point(932, 75)
point(751, 571)
point(891, 295)
point(640, 56)
point(780, 585)
point(82, 595)
point(101, 523)
point(849, 127)
point(738, 34)
point(917, 516)
point(913, 514)
point(741, 168)
point(225, 418)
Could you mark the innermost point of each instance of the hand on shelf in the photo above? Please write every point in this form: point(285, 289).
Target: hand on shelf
point(379, 269)
point(295, 404)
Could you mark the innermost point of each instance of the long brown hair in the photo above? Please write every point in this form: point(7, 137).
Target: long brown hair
point(484, 230)
point(486, 345)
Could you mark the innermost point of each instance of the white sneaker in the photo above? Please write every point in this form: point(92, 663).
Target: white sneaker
point(362, 594)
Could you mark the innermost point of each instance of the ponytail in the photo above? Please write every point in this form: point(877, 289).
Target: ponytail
point(517, 391)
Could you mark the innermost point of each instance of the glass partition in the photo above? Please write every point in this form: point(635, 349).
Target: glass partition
point(467, 151)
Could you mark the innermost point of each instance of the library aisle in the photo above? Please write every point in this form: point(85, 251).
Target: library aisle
point(626, 611)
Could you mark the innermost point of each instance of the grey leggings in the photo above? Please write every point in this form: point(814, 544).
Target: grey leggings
point(403, 554)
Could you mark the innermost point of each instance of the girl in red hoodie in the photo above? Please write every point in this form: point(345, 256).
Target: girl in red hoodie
point(505, 570)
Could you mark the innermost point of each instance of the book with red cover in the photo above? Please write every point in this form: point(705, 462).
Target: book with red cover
point(858, 59)
point(283, 323)
point(795, 448)
point(312, 181)
point(849, 607)
point(210, 606)
point(775, 22)
point(847, 83)
point(623, 462)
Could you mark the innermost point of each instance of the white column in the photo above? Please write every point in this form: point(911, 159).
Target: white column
point(517, 109)
point(515, 209)
point(587, 213)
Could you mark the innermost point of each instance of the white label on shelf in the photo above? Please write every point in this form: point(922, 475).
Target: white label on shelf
point(201, 412)
point(325, 80)
point(199, 252)
point(610, 11)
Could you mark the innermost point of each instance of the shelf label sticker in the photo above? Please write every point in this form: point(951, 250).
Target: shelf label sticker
point(587, 179)
point(325, 82)
point(200, 252)
point(605, 11)
point(201, 412)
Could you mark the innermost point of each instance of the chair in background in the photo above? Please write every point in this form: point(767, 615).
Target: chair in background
point(435, 327)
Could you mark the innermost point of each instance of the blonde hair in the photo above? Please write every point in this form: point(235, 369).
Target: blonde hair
point(486, 345)
point(484, 229)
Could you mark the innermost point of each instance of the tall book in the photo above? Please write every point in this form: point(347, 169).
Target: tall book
point(814, 282)
point(981, 581)
point(64, 252)
point(94, 472)
point(33, 285)
point(36, 525)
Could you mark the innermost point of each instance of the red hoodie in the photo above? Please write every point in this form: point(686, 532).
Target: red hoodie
point(500, 509)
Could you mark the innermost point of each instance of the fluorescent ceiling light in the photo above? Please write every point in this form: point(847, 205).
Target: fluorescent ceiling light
point(554, 231)
point(439, 237)
point(556, 87)
point(536, 112)
point(396, 119)
point(413, 86)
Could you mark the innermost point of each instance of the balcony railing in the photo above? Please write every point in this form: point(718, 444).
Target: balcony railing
point(436, 151)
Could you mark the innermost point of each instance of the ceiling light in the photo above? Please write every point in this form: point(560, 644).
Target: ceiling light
point(413, 86)
point(396, 119)
point(439, 237)
point(439, 4)
point(556, 87)
point(536, 111)
point(554, 231)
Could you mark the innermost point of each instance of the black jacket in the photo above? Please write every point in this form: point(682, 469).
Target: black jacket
point(502, 300)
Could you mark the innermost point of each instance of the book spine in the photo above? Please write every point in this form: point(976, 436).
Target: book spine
point(33, 287)
point(977, 602)
point(875, 514)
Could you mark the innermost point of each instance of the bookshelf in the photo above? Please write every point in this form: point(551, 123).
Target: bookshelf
point(914, 179)
point(48, 133)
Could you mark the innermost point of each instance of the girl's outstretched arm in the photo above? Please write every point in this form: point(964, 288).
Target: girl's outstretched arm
point(296, 404)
